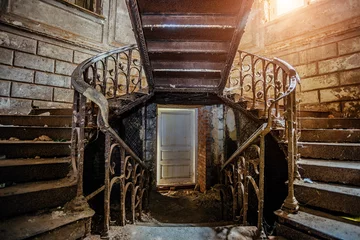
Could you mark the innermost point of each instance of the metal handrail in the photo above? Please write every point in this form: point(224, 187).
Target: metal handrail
point(99, 99)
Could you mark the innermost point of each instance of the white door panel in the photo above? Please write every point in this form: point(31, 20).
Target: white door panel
point(176, 146)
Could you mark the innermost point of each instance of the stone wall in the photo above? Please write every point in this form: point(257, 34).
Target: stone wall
point(322, 42)
point(42, 41)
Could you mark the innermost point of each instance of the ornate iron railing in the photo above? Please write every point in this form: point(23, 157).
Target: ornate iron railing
point(108, 77)
point(268, 85)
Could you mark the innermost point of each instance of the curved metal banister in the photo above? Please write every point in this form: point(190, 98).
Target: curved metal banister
point(116, 70)
point(99, 99)
point(266, 82)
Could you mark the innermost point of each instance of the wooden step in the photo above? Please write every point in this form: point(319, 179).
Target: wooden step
point(187, 73)
point(31, 149)
point(188, 19)
point(214, 56)
point(188, 33)
point(330, 135)
point(32, 132)
point(26, 170)
point(304, 225)
point(329, 123)
point(321, 150)
point(56, 224)
point(51, 111)
point(30, 120)
point(30, 197)
point(186, 82)
point(189, 7)
point(345, 172)
point(332, 197)
point(187, 47)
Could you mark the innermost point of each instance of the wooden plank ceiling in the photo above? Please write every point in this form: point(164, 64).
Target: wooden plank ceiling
point(188, 45)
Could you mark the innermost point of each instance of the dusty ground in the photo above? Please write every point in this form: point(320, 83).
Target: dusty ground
point(185, 206)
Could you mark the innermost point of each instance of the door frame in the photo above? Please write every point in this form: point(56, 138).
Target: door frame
point(196, 138)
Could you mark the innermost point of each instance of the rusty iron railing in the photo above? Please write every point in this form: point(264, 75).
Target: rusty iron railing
point(268, 85)
point(97, 80)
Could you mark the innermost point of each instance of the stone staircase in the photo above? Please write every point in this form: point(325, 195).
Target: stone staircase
point(329, 192)
point(36, 177)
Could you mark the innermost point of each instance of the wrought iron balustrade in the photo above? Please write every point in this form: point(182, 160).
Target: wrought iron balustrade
point(108, 76)
point(270, 86)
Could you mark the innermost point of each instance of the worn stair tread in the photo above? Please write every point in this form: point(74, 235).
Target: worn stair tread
point(330, 135)
point(329, 123)
point(35, 120)
point(33, 142)
point(330, 163)
point(331, 144)
point(319, 226)
point(32, 161)
point(32, 132)
point(330, 150)
point(27, 226)
point(52, 111)
point(37, 186)
point(336, 188)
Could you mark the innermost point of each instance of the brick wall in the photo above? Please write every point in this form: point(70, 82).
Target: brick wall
point(39, 53)
point(210, 145)
point(322, 42)
point(34, 71)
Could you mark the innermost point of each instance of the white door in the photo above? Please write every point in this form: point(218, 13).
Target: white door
point(176, 146)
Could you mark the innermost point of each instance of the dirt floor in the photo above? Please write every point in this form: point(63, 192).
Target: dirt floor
point(185, 206)
point(179, 208)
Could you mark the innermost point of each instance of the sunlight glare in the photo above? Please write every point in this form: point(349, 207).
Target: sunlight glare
point(284, 6)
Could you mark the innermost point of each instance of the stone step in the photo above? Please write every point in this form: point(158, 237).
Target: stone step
point(330, 135)
point(331, 197)
point(30, 197)
point(56, 224)
point(29, 120)
point(340, 151)
point(303, 225)
point(31, 149)
point(329, 123)
point(136, 232)
point(51, 111)
point(30, 132)
point(345, 172)
point(26, 170)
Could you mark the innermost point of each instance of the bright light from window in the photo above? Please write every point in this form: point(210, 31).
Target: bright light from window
point(284, 6)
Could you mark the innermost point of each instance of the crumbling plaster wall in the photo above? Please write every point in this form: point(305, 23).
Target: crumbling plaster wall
point(322, 42)
point(42, 41)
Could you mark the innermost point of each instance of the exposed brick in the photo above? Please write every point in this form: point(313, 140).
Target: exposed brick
point(52, 79)
point(309, 97)
point(64, 68)
point(6, 56)
point(318, 82)
point(306, 70)
point(292, 58)
point(321, 107)
point(5, 88)
point(52, 51)
point(44, 104)
point(340, 63)
point(339, 94)
point(31, 91)
point(16, 74)
point(351, 109)
point(350, 77)
point(80, 56)
point(349, 46)
point(318, 53)
point(13, 41)
point(63, 95)
point(33, 62)
point(14, 106)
